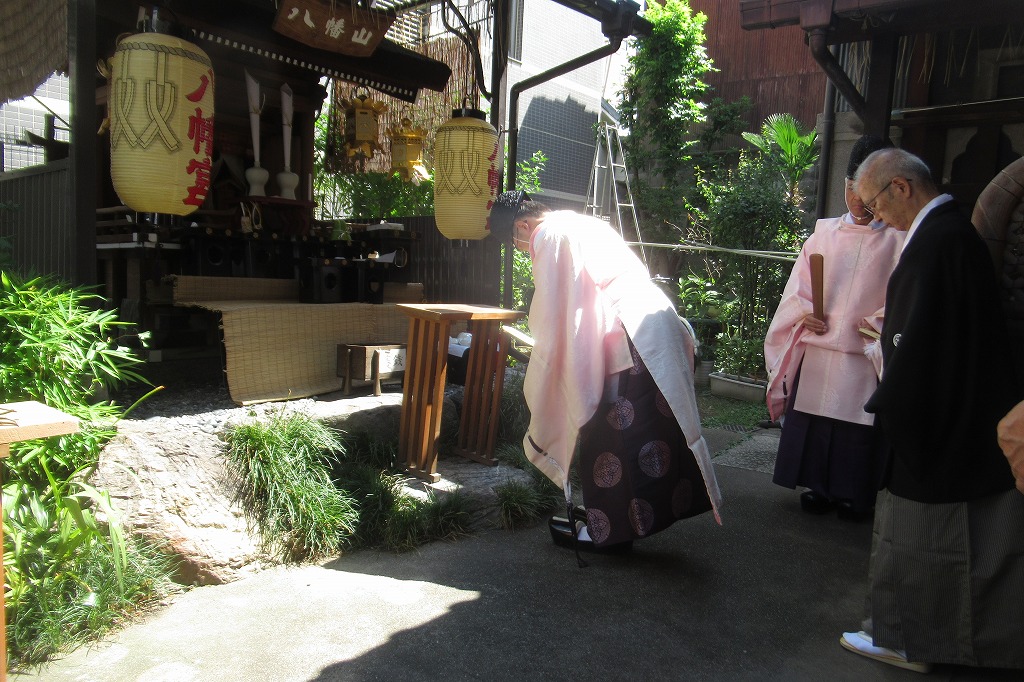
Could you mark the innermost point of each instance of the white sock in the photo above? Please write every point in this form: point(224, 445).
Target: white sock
point(581, 532)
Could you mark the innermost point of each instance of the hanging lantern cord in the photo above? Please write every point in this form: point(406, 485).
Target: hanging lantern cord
point(467, 40)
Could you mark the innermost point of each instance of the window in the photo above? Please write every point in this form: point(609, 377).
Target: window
point(515, 38)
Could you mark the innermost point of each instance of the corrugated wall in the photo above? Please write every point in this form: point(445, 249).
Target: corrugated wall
point(39, 223)
point(773, 67)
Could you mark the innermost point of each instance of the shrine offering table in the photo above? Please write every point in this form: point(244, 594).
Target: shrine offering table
point(426, 370)
point(18, 422)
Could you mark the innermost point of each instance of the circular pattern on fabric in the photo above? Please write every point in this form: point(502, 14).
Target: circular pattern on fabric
point(638, 363)
point(682, 497)
point(621, 415)
point(607, 470)
point(598, 525)
point(641, 516)
point(654, 458)
point(663, 406)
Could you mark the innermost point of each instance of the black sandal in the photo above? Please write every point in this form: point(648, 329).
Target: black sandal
point(564, 534)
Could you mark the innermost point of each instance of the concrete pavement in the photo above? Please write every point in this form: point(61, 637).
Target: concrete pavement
point(765, 596)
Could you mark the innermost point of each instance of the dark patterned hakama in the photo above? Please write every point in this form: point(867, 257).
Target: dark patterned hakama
point(637, 473)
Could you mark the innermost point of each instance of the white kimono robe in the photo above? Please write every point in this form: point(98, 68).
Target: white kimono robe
point(591, 291)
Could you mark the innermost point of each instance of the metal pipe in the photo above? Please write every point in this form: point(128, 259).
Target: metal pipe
point(533, 81)
point(828, 127)
point(817, 41)
point(513, 130)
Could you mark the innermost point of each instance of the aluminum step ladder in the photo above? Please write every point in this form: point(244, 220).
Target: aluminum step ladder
point(610, 196)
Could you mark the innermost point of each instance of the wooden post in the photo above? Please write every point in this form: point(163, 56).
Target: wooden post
point(18, 422)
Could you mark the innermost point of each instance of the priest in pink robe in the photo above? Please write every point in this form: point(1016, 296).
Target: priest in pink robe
point(612, 372)
point(822, 371)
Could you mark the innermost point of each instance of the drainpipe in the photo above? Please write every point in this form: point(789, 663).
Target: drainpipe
point(513, 126)
point(828, 127)
point(543, 77)
point(816, 39)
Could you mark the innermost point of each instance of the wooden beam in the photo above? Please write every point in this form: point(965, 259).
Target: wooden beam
point(84, 147)
point(881, 84)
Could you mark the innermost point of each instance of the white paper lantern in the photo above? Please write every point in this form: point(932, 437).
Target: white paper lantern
point(161, 123)
point(466, 175)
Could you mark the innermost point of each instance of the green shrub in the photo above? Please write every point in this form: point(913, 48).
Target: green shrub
point(70, 570)
point(742, 357)
point(285, 487)
point(391, 519)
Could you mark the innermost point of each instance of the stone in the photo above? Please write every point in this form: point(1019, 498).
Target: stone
point(172, 489)
point(169, 481)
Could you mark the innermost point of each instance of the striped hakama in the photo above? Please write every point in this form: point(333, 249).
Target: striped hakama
point(947, 580)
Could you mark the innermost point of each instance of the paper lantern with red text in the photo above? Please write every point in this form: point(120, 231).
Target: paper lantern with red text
point(466, 174)
point(161, 123)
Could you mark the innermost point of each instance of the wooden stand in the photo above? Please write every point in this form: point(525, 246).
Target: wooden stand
point(370, 363)
point(426, 370)
point(18, 422)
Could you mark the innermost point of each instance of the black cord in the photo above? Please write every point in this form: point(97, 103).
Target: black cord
point(569, 512)
point(471, 45)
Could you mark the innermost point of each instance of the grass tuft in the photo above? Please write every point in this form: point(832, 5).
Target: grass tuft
point(365, 447)
point(392, 519)
point(522, 504)
point(285, 489)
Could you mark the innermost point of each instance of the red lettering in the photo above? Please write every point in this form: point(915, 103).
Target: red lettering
point(204, 82)
point(197, 192)
point(200, 131)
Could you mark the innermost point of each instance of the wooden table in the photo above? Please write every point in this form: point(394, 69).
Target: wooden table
point(426, 369)
point(18, 422)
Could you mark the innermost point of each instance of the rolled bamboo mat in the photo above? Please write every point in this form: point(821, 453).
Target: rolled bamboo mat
point(289, 350)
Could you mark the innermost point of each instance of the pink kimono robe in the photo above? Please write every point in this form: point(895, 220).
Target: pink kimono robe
point(591, 291)
point(837, 377)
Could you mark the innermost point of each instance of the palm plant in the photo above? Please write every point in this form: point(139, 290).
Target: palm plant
point(794, 151)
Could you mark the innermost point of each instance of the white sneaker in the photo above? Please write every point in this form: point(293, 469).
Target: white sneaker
point(861, 643)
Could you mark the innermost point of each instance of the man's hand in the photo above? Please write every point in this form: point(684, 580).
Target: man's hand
point(813, 324)
point(1011, 440)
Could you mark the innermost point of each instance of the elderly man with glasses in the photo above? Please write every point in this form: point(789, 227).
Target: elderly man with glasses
point(947, 560)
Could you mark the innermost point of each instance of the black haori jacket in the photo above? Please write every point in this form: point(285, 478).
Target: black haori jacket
point(947, 375)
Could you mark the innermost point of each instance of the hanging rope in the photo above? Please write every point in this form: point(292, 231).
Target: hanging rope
point(469, 39)
point(787, 256)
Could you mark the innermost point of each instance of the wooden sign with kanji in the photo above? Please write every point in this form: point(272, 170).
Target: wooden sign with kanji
point(334, 26)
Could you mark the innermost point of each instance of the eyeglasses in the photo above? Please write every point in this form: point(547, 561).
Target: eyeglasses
point(869, 205)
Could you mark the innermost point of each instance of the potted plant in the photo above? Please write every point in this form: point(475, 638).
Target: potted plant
point(740, 363)
point(701, 304)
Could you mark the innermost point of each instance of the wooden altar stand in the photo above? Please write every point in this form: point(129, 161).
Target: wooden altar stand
point(426, 371)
